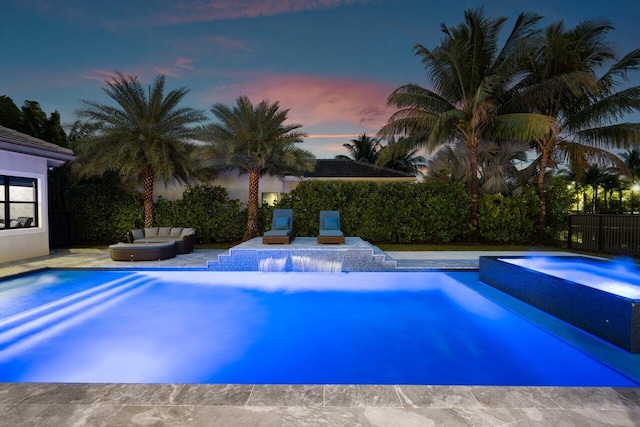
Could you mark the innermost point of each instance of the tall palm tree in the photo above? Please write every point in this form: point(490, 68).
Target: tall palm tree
point(594, 176)
point(254, 139)
point(497, 165)
point(562, 83)
point(409, 162)
point(469, 73)
point(142, 138)
point(362, 149)
point(632, 161)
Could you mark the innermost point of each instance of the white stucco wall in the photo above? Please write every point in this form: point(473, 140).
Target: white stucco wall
point(32, 242)
point(237, 186)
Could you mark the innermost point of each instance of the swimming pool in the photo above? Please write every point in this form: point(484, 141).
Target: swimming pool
point(278, 328)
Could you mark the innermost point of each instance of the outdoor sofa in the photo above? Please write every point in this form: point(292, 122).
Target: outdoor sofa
point(184, 238)
point(143, 251)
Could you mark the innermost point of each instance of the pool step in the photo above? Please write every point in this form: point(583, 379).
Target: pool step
point(20, 330)
point(304, 254)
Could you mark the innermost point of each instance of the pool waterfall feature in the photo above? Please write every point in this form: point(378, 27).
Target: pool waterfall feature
point(304, 255)
point(577, 290)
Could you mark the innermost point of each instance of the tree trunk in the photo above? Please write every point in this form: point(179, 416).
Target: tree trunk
point(147, 185)
point(252, 208)
point(542, 198)
point(473, 192)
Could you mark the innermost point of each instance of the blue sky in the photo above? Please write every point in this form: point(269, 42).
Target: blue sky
point(332, 62)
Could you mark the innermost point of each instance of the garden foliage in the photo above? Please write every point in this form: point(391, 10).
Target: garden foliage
point(428, 212)
point(208, 209)
point(103, 212)
point(384, 213)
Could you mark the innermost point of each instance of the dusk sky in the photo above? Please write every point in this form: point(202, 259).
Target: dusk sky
point(331, 62)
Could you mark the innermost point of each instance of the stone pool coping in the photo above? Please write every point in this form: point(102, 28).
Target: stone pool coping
point(335, 405)
point(281, 405)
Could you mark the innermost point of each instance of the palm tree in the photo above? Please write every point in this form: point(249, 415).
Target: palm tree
point(632, 161)
point(469, 74)
point(142, 138)
point(253, 139)
point(562, 84)
point(497, 168)
point(594, 176)
point(409, 162)
point(362, 149)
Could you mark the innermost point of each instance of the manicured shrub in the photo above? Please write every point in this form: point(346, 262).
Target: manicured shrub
point(103, 212)
point(400, 213)
point(427, 212)
point(510, 219)
point(208, 209)
point(560, 198)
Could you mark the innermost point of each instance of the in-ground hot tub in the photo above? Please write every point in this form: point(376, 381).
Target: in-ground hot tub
point(602, 297)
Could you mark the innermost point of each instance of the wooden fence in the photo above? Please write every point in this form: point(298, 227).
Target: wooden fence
point(610, 234)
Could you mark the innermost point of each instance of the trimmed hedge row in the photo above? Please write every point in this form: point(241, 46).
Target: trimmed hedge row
point(208, 209)
point(428, 212)
point(103, 213)
point(384, 213)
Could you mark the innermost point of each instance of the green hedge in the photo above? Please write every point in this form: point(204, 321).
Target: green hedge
point(428, 212)
point(504, 219)
point(103, 212)
point(208, 209)
point(384, 213)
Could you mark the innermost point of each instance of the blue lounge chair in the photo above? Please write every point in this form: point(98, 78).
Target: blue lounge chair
point(330, 228)
point(281, 228)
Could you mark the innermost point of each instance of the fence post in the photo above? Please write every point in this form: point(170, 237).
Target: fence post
point(600, 234)
point(570, 234)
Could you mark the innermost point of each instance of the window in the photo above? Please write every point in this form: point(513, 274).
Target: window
point(269, 199)
point(18, 202)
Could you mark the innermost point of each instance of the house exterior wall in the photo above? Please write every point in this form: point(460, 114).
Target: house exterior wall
point(236, 185)
point(17, 244)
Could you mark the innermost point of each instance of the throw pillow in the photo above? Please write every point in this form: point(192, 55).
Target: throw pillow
point(331, 224)
point(281, 223)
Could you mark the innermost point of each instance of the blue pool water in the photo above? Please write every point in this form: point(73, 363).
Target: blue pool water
point(280, 328)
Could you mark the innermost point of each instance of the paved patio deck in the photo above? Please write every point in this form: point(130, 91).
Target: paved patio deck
point(49, 404)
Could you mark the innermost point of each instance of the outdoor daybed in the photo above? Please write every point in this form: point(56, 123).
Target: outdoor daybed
point(184, 238)
point(281, 228)
point(330, 228)
point(143, 251)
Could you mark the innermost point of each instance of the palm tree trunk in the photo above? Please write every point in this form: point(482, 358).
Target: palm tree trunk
point(473, 192)
point(252, 208)
point(542, 198)
point(147, 186)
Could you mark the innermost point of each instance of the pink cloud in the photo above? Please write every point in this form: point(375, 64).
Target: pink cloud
point(184, 63)
point(215, 10)
point(167, 71)
point(332, 135)
point(315, 100)
point(230, 44)
point(99, 75)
